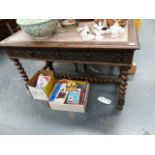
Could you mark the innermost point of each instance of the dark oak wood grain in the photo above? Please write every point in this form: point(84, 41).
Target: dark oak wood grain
point(20, 39)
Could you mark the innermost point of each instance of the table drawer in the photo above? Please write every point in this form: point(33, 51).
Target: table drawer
point(75, 55)
point(91, 55)
point(33, 53)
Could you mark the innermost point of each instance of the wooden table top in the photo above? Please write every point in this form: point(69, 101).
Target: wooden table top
point(72, 39)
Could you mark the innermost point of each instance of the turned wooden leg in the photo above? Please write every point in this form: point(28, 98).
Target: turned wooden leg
point(123, 78)
point(48, 64)
point(21, 69)
point(85, 67)
point(76, 67)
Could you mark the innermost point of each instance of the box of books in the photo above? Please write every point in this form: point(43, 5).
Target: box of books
point(69, 95)
point(42, 84)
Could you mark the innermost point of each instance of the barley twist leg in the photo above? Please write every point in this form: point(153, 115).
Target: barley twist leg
point(20, 69)
point(122, 87)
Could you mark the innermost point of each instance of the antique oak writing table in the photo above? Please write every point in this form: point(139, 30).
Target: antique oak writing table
point(68, 47)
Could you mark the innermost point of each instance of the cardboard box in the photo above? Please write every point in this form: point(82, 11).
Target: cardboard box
point(72, 107)
point(42, 94)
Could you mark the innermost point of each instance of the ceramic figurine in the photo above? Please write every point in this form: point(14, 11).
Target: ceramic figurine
point(85, 33)
point(99, 28)
point(110, 22)
point(102, 23)
point(121, 22)
point(116, 30)
point(69, 23)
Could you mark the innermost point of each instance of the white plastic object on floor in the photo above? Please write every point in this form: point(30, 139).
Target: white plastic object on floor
point(104, 100)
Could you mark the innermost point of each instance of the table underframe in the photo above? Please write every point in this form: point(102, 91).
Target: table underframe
point(120, 80)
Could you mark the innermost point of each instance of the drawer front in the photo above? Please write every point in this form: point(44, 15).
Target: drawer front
point(79, 55)
point(33, 53)
point(91, 55)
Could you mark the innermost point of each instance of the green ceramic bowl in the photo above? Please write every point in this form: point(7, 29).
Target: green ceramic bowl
point(38, 28)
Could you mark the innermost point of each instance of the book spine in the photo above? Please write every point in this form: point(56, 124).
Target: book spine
point(82, 97)
point(54, 95)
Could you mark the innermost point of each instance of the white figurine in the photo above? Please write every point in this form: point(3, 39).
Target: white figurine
point(116, 30)
point(85, 33)
point(97, 30)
